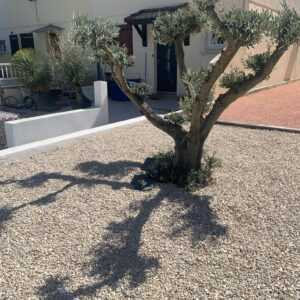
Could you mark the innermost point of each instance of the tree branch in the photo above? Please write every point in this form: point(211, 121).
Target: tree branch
point(213, 15)
point(226, 56)
point(224, 100)
point(174, 130)
point(180, 57)
point(220, 66)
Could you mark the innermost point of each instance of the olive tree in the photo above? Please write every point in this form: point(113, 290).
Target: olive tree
point(238, 29)
point(71, 68)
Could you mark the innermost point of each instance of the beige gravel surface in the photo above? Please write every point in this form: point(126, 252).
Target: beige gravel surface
point(72, 226)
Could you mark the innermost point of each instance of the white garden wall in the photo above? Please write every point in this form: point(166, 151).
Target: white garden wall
point(30, 130)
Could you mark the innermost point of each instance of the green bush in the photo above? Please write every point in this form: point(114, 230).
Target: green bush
point(161, 168)
point(33, 69)
point(203, 177)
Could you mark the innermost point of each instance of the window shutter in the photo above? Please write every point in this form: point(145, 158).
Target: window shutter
point(125, 38)
point(14, 43)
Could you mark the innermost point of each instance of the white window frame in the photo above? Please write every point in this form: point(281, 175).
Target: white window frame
point(213, 42)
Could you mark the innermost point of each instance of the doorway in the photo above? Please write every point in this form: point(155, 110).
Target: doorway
point(166, 69)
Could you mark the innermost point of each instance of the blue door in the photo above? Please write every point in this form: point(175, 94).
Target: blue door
point(166, 68)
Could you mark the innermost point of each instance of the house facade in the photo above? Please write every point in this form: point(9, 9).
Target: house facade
point(37, 23)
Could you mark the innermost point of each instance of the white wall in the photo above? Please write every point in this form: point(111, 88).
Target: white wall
point(30, 130)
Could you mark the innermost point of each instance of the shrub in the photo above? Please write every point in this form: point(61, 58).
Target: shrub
point(33, 69)
point(72, 67)
point(162, 169)
point(204, 176)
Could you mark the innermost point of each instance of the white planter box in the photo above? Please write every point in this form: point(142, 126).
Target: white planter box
point(39, 128)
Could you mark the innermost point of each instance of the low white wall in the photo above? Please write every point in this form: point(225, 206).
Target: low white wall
point(30, 130)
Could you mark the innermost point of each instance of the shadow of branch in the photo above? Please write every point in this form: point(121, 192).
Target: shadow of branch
point(54, 289)
point(117, 256)
point(91, 168)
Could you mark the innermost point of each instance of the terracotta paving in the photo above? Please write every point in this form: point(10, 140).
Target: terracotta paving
point(279, 106)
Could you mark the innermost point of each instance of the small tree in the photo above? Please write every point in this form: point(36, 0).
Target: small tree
point(238, 28)
point(71, 68)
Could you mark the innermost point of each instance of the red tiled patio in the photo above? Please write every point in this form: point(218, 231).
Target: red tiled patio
point(279, 106)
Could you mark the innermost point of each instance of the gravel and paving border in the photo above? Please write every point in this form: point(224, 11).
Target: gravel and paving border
point(73, 227)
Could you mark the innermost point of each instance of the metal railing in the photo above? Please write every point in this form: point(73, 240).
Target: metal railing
point(7, 71)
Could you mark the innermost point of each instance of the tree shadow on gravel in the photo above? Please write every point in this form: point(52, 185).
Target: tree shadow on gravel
point(96, 172)
point(54, 289)
point(118, 255)
point(194, 216)
point(6, 213)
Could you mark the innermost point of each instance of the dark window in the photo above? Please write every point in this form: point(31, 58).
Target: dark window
point(27, 40)
point(2, 47)
point(14, 43)
point(125, 38)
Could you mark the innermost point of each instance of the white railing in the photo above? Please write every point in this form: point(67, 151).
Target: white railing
point(7, 71)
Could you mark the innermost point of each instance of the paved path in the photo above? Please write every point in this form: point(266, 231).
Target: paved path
point(278, 106)
point(120, 111)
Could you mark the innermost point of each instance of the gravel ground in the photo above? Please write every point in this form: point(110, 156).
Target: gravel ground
point(72, 226)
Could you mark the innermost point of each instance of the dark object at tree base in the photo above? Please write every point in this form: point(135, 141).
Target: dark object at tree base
point(142, 182)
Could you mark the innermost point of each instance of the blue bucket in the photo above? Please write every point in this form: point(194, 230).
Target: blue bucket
point(115, 93)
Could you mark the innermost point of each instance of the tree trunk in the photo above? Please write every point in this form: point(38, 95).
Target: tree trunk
point(188, 155)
